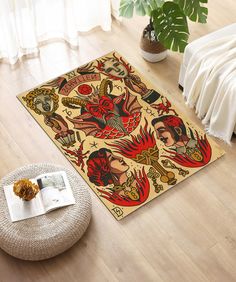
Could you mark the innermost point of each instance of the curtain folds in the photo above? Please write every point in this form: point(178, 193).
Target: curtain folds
point(26, 23)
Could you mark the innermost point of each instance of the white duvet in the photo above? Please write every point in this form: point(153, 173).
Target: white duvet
point(210, 86)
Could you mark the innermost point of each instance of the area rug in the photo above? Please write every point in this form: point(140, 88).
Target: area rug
point(125, 138)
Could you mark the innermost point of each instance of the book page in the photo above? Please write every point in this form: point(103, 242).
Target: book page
point(20, 209)
point(55, 190)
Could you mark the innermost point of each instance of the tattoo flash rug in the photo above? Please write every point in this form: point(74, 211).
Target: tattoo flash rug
point(122, 135)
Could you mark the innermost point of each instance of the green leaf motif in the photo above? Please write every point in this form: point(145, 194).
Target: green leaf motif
point(126, 8)
point(194, 9)
point(171, 26)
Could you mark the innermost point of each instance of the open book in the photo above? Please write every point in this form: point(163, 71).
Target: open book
point(55, 192)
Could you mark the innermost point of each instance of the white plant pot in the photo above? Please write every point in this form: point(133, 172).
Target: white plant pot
point(153, 57)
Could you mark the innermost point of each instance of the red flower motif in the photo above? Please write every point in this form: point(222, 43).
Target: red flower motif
point(173, 121)
point(103, 107)
point(99, 171)
point(106, 103)
point(85, 89)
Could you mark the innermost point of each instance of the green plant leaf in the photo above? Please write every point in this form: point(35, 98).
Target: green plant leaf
point(171, 26)
point(145, 7)
point(155, 4)
point(126, 8)
point(140, 7)
point(194, 9)
point(148, 8)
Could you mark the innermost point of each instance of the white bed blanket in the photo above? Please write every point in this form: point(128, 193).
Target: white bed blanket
point(210, 86)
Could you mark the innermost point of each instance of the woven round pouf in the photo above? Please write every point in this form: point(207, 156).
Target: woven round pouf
point(47, 235)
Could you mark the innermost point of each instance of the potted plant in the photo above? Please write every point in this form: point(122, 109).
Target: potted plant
point(168, 25)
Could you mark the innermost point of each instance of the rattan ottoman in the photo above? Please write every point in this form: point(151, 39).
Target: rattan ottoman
point(48, 235)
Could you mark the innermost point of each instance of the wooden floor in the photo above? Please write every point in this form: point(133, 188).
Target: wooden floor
point(187, 234)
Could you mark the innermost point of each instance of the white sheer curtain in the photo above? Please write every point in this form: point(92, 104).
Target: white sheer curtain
point(26, 23)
